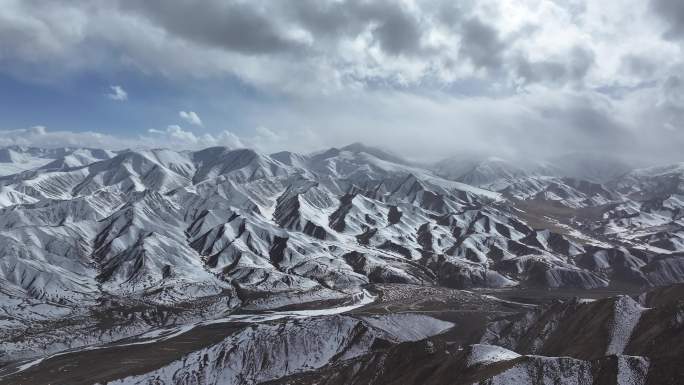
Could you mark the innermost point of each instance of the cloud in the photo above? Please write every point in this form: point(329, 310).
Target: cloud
point(40, 136)
point(673, 91)
point(538, 124)
point(571, 67)
point(191, 117)
point(229, 25)
point(398, 32)
point(672, 12)
point(427, 77)
point(177, 133)
point(175, 136)
point(334, 45)
point(117, 93)
point(640, 66)
point(480, 43)
point(292, 47)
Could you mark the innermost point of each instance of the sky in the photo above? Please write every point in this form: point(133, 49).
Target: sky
point(425, 79)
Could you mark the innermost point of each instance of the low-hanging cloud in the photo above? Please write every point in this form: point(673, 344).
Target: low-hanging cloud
point(42, 137)
point(173, 136)
point(176, 137)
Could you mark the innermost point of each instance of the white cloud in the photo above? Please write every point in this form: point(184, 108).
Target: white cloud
point(175, 136)
point(176, 133)
point(42, 137)
point(191, 117)
point(117, 93)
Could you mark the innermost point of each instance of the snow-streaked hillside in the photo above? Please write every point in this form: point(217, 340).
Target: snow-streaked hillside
point(219, 230)
point(169, 225)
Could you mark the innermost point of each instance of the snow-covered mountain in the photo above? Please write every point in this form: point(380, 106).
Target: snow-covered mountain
point(165, 225)
point(123, 241)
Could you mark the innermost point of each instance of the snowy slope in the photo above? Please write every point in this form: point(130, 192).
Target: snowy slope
point(169, 225)
point(222, 229)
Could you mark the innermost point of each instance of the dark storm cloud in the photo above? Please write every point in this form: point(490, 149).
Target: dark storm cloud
point(398, 33)
point(672, 11)
point(327, 19)
point(480, 43)
point(229, 25)
point(397, 30)
point(261, 28)
point(572, 68)
point(394, 28)
point(250, 29)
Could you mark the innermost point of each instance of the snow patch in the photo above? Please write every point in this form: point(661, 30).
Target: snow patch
point(626, 315)
point(632, 370)
point(487, 354)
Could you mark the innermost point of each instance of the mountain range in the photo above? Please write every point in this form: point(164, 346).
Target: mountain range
point(99, 247)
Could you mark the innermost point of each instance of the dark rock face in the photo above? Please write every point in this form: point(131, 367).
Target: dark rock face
point(394, 215)
point(276, 254)
point(315, 231)
point(337, 218)
point(424, 238)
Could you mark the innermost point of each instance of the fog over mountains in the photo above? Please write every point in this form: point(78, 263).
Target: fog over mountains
point(114, 252)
